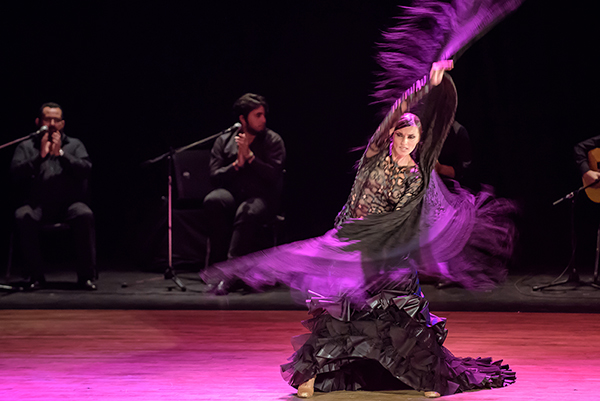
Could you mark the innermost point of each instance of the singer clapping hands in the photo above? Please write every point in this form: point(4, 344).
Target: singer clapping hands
point(51, 170)
point(246, 169)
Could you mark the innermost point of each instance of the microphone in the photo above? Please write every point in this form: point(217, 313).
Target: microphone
point(234, 127)
point(233, 130)
point(42, 130)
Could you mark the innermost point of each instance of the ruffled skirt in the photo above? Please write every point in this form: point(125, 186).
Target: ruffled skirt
point(390, 344)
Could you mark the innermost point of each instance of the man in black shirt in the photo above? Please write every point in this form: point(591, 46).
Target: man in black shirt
point(246, 166)
point(455, 157)
point(581, 160)
point(453, 162)
point(587, 213)
point(52, 170)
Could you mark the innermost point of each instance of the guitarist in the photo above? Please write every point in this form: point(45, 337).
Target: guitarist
point(589, 173)
point(587, 211)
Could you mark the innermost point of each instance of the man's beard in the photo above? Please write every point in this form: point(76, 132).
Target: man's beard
point(252, 131)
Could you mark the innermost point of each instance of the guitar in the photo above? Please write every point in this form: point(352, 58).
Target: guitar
point(594, 162)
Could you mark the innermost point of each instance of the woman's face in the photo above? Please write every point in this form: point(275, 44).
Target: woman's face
point(404, 140)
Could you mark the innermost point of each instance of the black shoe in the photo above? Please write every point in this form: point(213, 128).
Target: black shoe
point(35, 283)
point(87, 285)
point(227, 287)
point(440, 285)
point(222, 288)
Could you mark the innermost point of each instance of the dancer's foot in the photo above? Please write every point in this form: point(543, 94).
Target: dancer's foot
point(307, 389)
point(432, 394)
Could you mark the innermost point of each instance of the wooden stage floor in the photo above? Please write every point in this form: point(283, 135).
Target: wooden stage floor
point(235, 355)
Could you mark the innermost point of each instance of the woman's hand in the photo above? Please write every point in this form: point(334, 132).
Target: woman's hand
point(437, 71)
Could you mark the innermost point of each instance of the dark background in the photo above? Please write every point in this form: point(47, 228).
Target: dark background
point(136, 78)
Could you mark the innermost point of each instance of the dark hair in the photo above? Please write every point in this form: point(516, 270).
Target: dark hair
point(409, 120)
point(52, 105)
point(248, 102)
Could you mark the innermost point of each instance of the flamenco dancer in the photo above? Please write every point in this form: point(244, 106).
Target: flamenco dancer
point(371, 328)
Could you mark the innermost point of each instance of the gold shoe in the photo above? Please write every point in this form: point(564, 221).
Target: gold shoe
point(307, 389)
point(432, 394)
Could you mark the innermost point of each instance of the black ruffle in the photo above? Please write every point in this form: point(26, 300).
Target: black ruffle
point(393, 344)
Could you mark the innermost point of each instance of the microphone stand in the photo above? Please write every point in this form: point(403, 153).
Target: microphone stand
point(574, 275)
point(576, 192)
point(170, 272)
point(7, 287)
point(21, 139)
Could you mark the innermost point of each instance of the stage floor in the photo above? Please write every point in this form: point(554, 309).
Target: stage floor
point(235, 355)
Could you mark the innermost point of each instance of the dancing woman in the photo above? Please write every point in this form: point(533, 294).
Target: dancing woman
point(371, 327)
point(390, 341)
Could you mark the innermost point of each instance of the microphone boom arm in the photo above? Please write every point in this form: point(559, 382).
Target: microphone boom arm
point(233, 128)
point(42, 129)
point(572, 194)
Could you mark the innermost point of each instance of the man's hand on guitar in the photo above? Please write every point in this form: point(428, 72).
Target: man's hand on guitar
point(590, 177)
point(437, 71)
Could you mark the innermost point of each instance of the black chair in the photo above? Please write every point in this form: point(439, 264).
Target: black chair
point(192, 177)
point(192, 183)
point(46, 229)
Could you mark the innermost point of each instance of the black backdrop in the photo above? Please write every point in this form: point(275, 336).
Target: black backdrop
point(135, 78)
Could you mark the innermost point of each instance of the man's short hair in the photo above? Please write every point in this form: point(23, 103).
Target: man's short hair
point(248, 102)
point(52, 105)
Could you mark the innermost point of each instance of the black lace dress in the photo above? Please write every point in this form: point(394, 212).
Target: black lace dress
point(380, 186)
